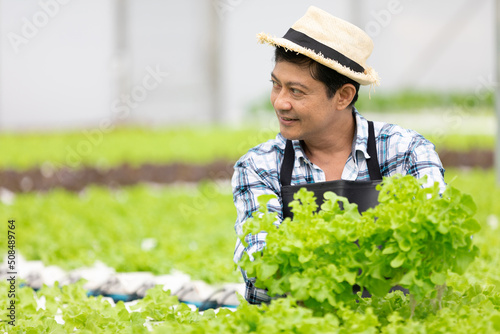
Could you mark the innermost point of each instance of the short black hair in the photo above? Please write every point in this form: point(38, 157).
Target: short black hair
point(332, 79)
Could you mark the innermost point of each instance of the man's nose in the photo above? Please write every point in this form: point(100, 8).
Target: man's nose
point(282, 101)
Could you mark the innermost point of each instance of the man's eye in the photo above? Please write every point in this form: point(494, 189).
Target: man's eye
point(295, 91)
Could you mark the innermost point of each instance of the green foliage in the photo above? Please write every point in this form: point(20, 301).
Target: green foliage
point(470, 303)
point(412, 100)
point(474, 310)
point(72, 230)
point(462, 142)
point(82, 314)
point(406, 100)
point(484, 187)
point(133, 146)
point(137, 146)
point(412, 238)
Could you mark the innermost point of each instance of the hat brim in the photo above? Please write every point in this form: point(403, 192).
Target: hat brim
point(368, 77)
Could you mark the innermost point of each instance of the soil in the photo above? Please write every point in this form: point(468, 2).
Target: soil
point(474, 158)
point(41, 179)
point(38, 179)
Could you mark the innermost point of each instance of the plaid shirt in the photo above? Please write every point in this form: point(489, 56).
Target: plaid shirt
point(400, 151)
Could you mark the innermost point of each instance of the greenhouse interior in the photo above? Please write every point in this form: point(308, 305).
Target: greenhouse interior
point(137, 135)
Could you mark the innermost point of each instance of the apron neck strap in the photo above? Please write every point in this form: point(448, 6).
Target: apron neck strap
point(373, 165)
point(287, 165)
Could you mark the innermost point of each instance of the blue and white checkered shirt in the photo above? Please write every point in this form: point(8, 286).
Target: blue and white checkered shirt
point(400, 151)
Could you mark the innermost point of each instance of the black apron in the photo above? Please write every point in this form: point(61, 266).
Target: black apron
point(363, 193)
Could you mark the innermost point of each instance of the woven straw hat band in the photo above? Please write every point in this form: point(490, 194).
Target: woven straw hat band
point(336, 34)
point(303, 40)
point(330, 41)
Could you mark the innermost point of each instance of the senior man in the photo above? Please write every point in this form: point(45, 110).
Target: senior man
point(324, 143)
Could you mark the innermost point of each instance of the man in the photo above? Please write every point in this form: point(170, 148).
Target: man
point(323, 140)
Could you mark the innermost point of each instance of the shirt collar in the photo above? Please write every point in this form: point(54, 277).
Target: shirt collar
point(360, 141)
point(299, 152)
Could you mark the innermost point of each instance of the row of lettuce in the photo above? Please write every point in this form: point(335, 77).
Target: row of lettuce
point(411, 100)
point(137, 228)
point(189, 226)
point(193, 229)
point(464, 309)
point(136, 146)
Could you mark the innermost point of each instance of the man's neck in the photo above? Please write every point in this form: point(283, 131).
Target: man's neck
point(338, 140)
point(330, 153)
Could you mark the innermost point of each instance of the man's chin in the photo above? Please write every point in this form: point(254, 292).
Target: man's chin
point(290, 136)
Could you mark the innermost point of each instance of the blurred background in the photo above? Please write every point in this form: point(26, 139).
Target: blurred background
point(75, 63)
point(120, 121)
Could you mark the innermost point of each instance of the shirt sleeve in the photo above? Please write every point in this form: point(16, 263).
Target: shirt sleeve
point(248, 184)
point(424, 161)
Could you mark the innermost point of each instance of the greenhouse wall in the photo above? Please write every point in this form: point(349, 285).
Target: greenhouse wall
point(87, 63)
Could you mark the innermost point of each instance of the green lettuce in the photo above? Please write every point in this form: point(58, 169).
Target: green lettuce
point(413, 238)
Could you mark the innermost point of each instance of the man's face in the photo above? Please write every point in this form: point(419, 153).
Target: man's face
point(303, 109)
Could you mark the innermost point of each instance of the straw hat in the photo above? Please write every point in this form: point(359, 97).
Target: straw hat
point(330, 41)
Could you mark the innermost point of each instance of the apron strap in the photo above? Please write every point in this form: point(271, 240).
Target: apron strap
point(287, 165)
point(373, 165)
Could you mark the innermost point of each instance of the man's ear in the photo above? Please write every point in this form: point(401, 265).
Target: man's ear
point(345, 94)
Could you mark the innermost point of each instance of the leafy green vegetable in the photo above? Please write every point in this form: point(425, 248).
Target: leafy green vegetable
point(412, 238)
point(127, 145)
point(72, 230)
point(137, 146)
point(475, 310)
point(469, 303)
point(407, 100)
